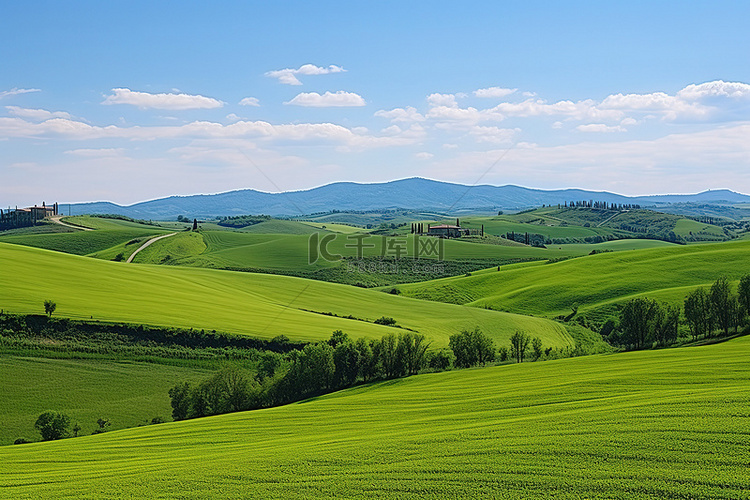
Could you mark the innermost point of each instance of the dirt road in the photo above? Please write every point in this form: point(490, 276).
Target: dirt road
point(152, 240)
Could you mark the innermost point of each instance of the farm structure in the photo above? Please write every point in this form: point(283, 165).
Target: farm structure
point(24, 217)
point(445, 230)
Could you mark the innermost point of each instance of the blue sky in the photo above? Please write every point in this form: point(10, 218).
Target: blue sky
point(129, 102)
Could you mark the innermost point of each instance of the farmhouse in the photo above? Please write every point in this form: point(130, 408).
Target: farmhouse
point(23, 217)
point(447, 231)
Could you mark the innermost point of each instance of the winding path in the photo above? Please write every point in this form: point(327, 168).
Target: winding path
point(152, 240)
point(56, 220)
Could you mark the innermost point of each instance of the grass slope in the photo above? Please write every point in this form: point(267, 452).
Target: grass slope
point(259, 305)
point(651, 425)
point(552, 289)
point(227, 249)
point(127, 393)
point(109, 233)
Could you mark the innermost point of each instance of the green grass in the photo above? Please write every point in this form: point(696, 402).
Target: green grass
point(258, 305)
point(336, 228)
point(552, 289)
point(649, 425)
point(184, 244)
point(227, 249)
point(500, 225)
point(616, 245)
point(109, 233)
point(127, 393)
point(278, 226)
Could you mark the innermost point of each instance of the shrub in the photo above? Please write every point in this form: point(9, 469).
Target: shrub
point(383, 320)
point(440, 360)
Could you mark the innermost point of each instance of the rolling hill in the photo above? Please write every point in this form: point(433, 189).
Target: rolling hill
point(258, 305)
point(590, 282)
point(651, 425)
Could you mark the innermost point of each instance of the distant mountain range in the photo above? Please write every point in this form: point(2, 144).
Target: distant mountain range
point(413, 193)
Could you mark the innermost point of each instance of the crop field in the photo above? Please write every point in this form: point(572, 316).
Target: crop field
point(126, 393)
point(552, 289)
point(285, 251)
point(259, 305)
point(656, 424)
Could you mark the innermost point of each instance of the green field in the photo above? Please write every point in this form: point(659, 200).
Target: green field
point(656, 424)
point(108, 233)
point(591, 281)
point(287, 251)
point(577, 224)
point(126, 393)
point(258, 305)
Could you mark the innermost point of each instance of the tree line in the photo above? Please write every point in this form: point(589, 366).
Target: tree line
point(315, 369)
point(644, 322)
point(338, 363)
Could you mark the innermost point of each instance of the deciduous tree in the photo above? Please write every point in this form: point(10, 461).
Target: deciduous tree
point(52, 425)
point(519, 343)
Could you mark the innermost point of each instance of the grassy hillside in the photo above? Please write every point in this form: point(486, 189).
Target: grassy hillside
point(563, 223)
point(651, 425)
point(287, 251)
point(552, 289)
point(259, 305)
point(126, 393)
point(109, 233)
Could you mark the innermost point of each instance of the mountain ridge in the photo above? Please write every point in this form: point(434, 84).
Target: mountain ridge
point(413, 193)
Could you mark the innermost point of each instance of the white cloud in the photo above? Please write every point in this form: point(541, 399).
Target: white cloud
point(718, 88)
point(233, 118)
point(424, 155)
point(494, 135)
point(288, 76)
point(447, 100)
point(97, 153)
point(580, 110)
point(408, 114)
point(451, 117)
point(327, 100)
point(16, 91)
point(629, 121)
point(695, 161)
point(600, 127)
point(35, 114)
point(392, 130)
point(250, 101)
point(557, 125)
point(450, 146)
point(494, 92)
point(144, 100)
point(355, 138)
point(657, 101)
point(705, 101)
